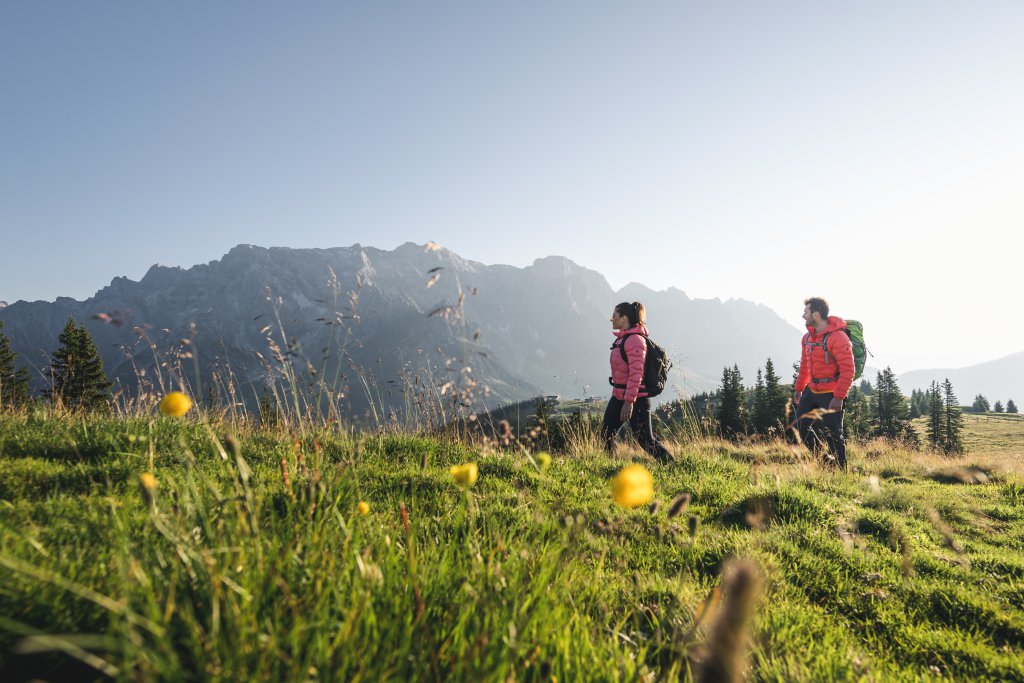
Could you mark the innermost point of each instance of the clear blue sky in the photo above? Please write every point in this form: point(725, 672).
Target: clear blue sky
point(767, 151)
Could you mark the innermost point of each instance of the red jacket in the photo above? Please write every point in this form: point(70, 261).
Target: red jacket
point(632, 373)
point(834, 369)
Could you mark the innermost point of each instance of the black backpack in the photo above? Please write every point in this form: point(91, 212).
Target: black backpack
point(656, 366)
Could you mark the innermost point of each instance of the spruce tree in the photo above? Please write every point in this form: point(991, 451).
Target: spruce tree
point(77, 379)
point(762, 418)
point(980, 405)
point(730, 405)
point(936, 417)
point(14, 390)
point(1011, 407)
point(915, 410)
point(954, 421)
point(997, 407)
point(778, 395)
point(891, 409)
point(857, 414)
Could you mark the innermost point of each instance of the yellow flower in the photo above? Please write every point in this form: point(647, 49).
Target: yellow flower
point(147, 486)
point(543, 460)
point(175, 404)
point(465, 475)
point(363, 507)
point(633, 486)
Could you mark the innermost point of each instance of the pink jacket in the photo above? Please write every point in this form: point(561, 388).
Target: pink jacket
point(631, 374)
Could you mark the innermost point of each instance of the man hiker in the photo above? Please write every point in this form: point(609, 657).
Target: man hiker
point(825, 376)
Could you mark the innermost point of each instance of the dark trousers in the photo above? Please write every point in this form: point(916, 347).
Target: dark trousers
point(639, 422)
point(824, 433)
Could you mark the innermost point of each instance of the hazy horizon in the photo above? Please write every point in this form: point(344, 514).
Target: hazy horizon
point(870, 154)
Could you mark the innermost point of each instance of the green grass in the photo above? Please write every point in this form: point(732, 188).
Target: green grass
point(884, 573)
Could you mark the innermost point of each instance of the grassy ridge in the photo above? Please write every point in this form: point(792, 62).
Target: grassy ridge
point(252, 562)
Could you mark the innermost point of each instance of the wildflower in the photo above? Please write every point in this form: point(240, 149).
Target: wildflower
point(147, 486)
point(543, 460)
point(465, 475)
point(633, 486)
point(175, 404)
point(363, 507)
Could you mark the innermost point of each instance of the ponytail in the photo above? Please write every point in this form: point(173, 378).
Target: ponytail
point(634, 311)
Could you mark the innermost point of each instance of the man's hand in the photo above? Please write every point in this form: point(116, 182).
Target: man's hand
point(796, 398)
point(627, 412)
point(836, 404)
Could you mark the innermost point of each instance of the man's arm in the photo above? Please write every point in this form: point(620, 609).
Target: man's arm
point(803, 376)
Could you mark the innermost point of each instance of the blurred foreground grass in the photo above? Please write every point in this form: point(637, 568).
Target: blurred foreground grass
point(250, 559)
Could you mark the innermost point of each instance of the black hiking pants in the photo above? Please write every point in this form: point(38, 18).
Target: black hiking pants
point(821, 434)
point(639, 422)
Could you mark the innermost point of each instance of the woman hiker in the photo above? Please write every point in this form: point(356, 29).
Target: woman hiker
point(629, 401)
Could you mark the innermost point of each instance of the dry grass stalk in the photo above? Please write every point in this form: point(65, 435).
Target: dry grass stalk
point(724, 655)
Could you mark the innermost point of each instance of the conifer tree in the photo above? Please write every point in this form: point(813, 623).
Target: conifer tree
point(1011, 407)
point(954, 421)
point(857, 417)
point(980, 405)
point(13, 380)
point(891, 409)
point(268, 410)
point(762, 418)
point(915, 410)
point(730, 404)
point(77, 379)
point(778, 395)
point(866, 388)
point(936, 417)
point(997, 407)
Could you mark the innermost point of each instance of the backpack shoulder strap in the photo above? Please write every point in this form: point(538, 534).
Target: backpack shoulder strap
point(622, 344)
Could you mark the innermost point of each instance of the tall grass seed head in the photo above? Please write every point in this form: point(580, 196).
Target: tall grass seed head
point(465, 475)
point(175, 404)
point(633, 486)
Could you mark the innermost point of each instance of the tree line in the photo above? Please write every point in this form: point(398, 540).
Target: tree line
point(873, 410)
point(75, 373)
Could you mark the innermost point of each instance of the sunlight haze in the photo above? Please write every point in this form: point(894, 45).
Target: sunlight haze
point(869, 153)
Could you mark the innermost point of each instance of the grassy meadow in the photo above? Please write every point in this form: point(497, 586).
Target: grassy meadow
point(246, 556)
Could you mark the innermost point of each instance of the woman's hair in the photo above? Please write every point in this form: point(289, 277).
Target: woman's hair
point(634, 311)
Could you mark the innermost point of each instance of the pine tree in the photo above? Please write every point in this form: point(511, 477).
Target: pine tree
point(857, 417)
point(891, 409)
point(915, 409)
point(762, 418)
point(866, 388)
point(268, 410)
point(980, 405)
point(14, 390)
point(77, 379)
point(1011, 407)
point(997, 407)
point(778, 396)
point(936, 417)
point(954, 421)
point(730, 405)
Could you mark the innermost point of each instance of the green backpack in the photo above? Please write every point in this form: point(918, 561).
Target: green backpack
point(855, 331)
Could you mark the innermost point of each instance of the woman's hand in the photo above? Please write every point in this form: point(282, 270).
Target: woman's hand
point(627, 412)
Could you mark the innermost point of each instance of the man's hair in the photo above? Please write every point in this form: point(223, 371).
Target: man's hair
point(634, 311)
point(818, 304)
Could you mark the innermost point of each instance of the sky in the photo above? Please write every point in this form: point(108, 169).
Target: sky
point(870, 153)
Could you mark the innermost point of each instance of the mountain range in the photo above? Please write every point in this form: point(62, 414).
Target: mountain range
point(372, 325)
point(372, 320)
